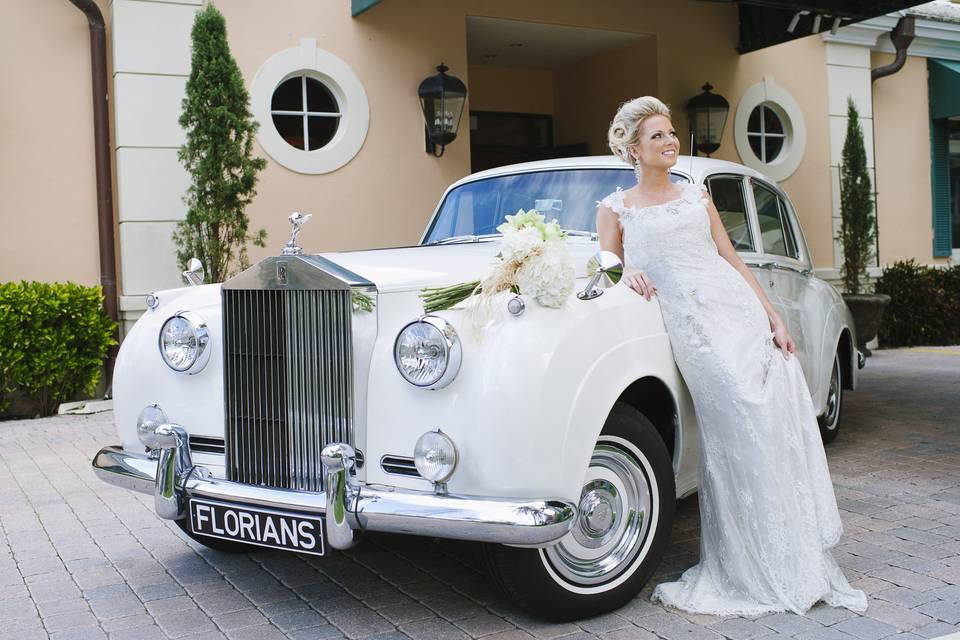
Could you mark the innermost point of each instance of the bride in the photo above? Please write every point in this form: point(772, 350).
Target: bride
point(768, 514)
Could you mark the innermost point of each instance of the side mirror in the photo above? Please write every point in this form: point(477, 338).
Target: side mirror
point(194, 274)
point(605, 270)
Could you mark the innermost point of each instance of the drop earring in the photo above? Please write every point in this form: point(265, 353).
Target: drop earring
point(636, 169)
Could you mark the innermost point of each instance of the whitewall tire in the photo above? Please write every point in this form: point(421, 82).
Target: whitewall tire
point(622, 529)
point(830, 420)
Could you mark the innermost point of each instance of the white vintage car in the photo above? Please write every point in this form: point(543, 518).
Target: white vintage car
point(310, 398)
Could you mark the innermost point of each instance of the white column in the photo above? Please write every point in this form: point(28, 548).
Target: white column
point(151, 62)
point(848, 74)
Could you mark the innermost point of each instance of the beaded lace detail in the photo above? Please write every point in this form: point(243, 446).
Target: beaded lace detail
point(767, 506)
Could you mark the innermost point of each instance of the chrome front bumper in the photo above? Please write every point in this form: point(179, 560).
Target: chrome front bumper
point(347, 506)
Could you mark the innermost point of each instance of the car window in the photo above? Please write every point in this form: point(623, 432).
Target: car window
point(728, 196)
point(775, 232)
point(569, 195)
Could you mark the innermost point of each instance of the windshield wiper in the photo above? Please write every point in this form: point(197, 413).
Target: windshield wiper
point(466, 238)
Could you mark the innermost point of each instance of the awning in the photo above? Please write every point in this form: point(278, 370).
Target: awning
point(763, 23)
point(944, 83)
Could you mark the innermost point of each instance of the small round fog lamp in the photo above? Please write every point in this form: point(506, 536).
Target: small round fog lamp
point(435, 456)
point(150, 418)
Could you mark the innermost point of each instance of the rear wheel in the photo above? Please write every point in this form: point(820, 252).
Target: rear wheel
point(830, 420)
point(622, 529)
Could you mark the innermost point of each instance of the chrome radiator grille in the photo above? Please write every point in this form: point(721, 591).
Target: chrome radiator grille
point(288, 383)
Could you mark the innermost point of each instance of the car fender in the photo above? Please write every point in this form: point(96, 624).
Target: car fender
point(532, 394)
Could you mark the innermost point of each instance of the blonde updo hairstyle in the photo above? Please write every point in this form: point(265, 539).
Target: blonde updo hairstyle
point(625, 128)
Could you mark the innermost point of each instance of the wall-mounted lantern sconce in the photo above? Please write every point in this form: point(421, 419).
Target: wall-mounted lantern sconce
point(708, 114)
point(441, 98)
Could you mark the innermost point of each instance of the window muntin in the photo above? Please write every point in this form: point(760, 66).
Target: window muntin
point(776, 234)
point(569, 195)
point(305, 113)
point(765, 133)
point(729, 198)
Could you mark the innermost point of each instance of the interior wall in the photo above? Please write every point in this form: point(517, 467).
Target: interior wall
point(510, 89)
point(588, 92)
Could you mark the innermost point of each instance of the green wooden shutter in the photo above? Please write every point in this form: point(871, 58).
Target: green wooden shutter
point(943, 78)
point(940, 181)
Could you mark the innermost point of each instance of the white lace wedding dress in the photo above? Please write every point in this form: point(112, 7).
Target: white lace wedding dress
point(768, 514)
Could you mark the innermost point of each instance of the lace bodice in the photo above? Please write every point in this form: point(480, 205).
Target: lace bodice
point(671, 234)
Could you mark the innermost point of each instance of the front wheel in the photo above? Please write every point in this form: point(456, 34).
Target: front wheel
point(830, 420)
point(623, 526)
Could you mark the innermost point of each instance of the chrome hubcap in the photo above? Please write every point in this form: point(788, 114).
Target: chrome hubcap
point(599, 507)
point(613, 520)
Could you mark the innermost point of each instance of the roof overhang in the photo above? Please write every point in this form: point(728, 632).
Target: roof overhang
point(764, 23)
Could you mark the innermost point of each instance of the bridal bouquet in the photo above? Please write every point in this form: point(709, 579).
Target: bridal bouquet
point(534, 261)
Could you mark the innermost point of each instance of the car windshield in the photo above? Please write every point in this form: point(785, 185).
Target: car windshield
point(569, 195)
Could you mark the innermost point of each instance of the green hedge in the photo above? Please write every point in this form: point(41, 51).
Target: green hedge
point(924, 306)
point(53, 341)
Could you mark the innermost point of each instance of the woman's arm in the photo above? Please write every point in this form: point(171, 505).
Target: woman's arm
point(726, 250)
point(609, 234)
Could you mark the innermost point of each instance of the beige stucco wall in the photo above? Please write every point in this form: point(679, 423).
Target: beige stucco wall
point(386, 194)
point(47, 181)
point(799, 67)
point(902, 133)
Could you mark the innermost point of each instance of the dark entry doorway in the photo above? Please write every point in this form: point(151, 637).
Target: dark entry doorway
point(498, 138)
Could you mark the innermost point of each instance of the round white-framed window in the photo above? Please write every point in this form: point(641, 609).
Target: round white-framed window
point(769, 130)
point(765, 132)
point(312, 109)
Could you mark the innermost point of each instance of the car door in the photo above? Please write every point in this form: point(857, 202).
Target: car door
point(729, 194)
point(786, 264)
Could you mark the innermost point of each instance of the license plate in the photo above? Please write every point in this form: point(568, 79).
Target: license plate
point(253, 525)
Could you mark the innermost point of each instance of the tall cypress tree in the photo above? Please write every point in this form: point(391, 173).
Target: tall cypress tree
point(856, 205)
point(218, 154)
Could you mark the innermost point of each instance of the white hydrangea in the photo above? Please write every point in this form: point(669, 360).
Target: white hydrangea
point(550, 276)
point(517, 244)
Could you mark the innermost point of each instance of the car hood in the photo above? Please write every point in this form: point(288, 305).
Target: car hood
point(405, 268)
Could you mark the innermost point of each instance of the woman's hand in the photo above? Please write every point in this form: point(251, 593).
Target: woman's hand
point(781, 337)
point(639, 282)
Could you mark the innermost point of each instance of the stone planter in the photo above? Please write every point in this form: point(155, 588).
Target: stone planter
point(867, 310)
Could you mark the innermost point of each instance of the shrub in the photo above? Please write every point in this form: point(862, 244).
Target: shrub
point(53, 341)
point(857, 219)
point(924, 305)
point(218, 154)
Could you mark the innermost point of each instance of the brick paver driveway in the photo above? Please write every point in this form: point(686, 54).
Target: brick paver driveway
point(81, 559)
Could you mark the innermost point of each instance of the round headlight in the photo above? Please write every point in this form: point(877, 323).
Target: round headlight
point(150, 418)
point(435, 456)
point(428, 352)
point(183, 342)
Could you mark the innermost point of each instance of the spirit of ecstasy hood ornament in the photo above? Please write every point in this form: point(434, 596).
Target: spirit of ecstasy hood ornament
point(297, 219)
